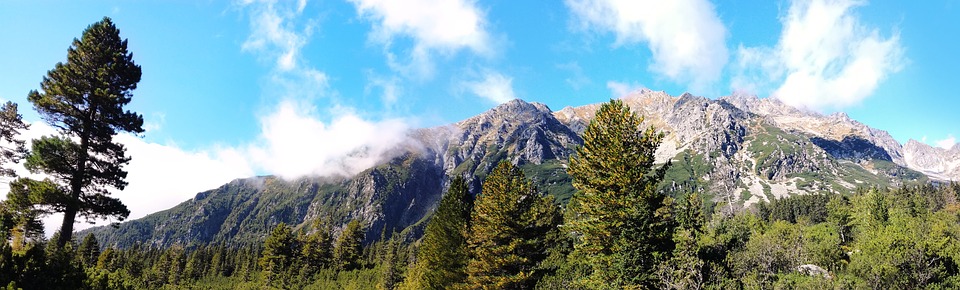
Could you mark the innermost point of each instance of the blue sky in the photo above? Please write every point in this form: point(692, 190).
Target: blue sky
point(236, 88)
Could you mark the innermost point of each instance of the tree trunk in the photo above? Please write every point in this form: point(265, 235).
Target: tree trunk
point(66, 229)
point(76, 187)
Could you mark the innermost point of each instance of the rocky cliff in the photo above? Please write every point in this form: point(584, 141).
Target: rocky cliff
point(736, 150)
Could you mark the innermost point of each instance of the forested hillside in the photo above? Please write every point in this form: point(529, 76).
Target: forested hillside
point(617, 231)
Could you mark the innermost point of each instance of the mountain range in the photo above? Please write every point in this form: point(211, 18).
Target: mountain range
point(736, 150)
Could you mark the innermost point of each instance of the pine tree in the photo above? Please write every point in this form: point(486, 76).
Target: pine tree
point(442, 256)
point(13, 149)
point(349, 249)
point(278, 254)
point(89, 251)
point(508, 232)
point(317, 250)
point(685, 268)
point(622, 223)
point(84, 100)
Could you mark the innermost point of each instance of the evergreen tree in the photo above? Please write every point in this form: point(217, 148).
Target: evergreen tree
point(442, 256)
point(89, 251)
point(685, 268)
point(622, 222)
point(278, 253)
point(317, 250)
point(509, 227)
point(349, 249)
point(13, 149)
point(84, 99)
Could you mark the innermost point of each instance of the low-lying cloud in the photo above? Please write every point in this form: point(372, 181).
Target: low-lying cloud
point(294, 142)
point(492, 86)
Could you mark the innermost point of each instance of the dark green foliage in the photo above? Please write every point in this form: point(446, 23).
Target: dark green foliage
point(11, 123)
point(442, 255)
point(509, 228)
point(278, 255)
point(622, 222)
point(810, 208)
point(84, 99)
point(316, 251)
point(89, 251)
point(347, 253)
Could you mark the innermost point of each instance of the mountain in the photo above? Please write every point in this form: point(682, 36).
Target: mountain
point(935, 162)
point(736, 150)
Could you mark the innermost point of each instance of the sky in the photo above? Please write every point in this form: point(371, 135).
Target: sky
point(232, 89)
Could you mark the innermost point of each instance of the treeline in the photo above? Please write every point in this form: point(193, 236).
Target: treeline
point(285, 261)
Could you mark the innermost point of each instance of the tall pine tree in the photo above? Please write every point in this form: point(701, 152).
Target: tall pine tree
point(279, 253)
point(84, 100)
point(622, 223)
point(12, 148)
point(442, 256)
point(349, 247)
point(508, 233)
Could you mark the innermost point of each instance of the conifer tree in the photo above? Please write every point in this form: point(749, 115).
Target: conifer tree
point(13, 149)
point(317, 250)
point(84, 99)
point(508, 232)
point(442, 256)
point(278, 253)
point(622, 222)
point(349, 247)
point(89, 251)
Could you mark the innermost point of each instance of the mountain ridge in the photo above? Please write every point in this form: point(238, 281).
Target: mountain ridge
point(737, 150)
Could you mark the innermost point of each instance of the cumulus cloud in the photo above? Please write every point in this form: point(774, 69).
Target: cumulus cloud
point(434, 26)
point(686, 37)
point(825, 57)
point(619, 89)
point(492, 86)
point(294, 142)
point(946, 143)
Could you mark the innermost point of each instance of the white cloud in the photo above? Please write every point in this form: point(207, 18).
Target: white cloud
point(294, 142)
point(686, 37)
point(435, 26)
point(274, 35)
point(825, 57)
point(160, 176)
point(389, 87)
point(277, 36)
point(619, 90)
point(493, 86)
point(946, 143)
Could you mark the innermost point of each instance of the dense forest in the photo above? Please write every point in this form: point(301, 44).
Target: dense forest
point(619, 230)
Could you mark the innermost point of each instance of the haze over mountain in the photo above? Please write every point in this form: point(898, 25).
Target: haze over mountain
point(736, 150)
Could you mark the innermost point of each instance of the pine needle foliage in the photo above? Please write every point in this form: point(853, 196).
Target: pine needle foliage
point(442, 257)
point(84, 99)
point(621, 222)
point(509, 230)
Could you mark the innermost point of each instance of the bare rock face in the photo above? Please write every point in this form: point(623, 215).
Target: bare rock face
point(936, 162)
point(738, 149)
point(753, 149)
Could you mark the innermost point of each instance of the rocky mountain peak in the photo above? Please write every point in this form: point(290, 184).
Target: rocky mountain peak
point(934, 161)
